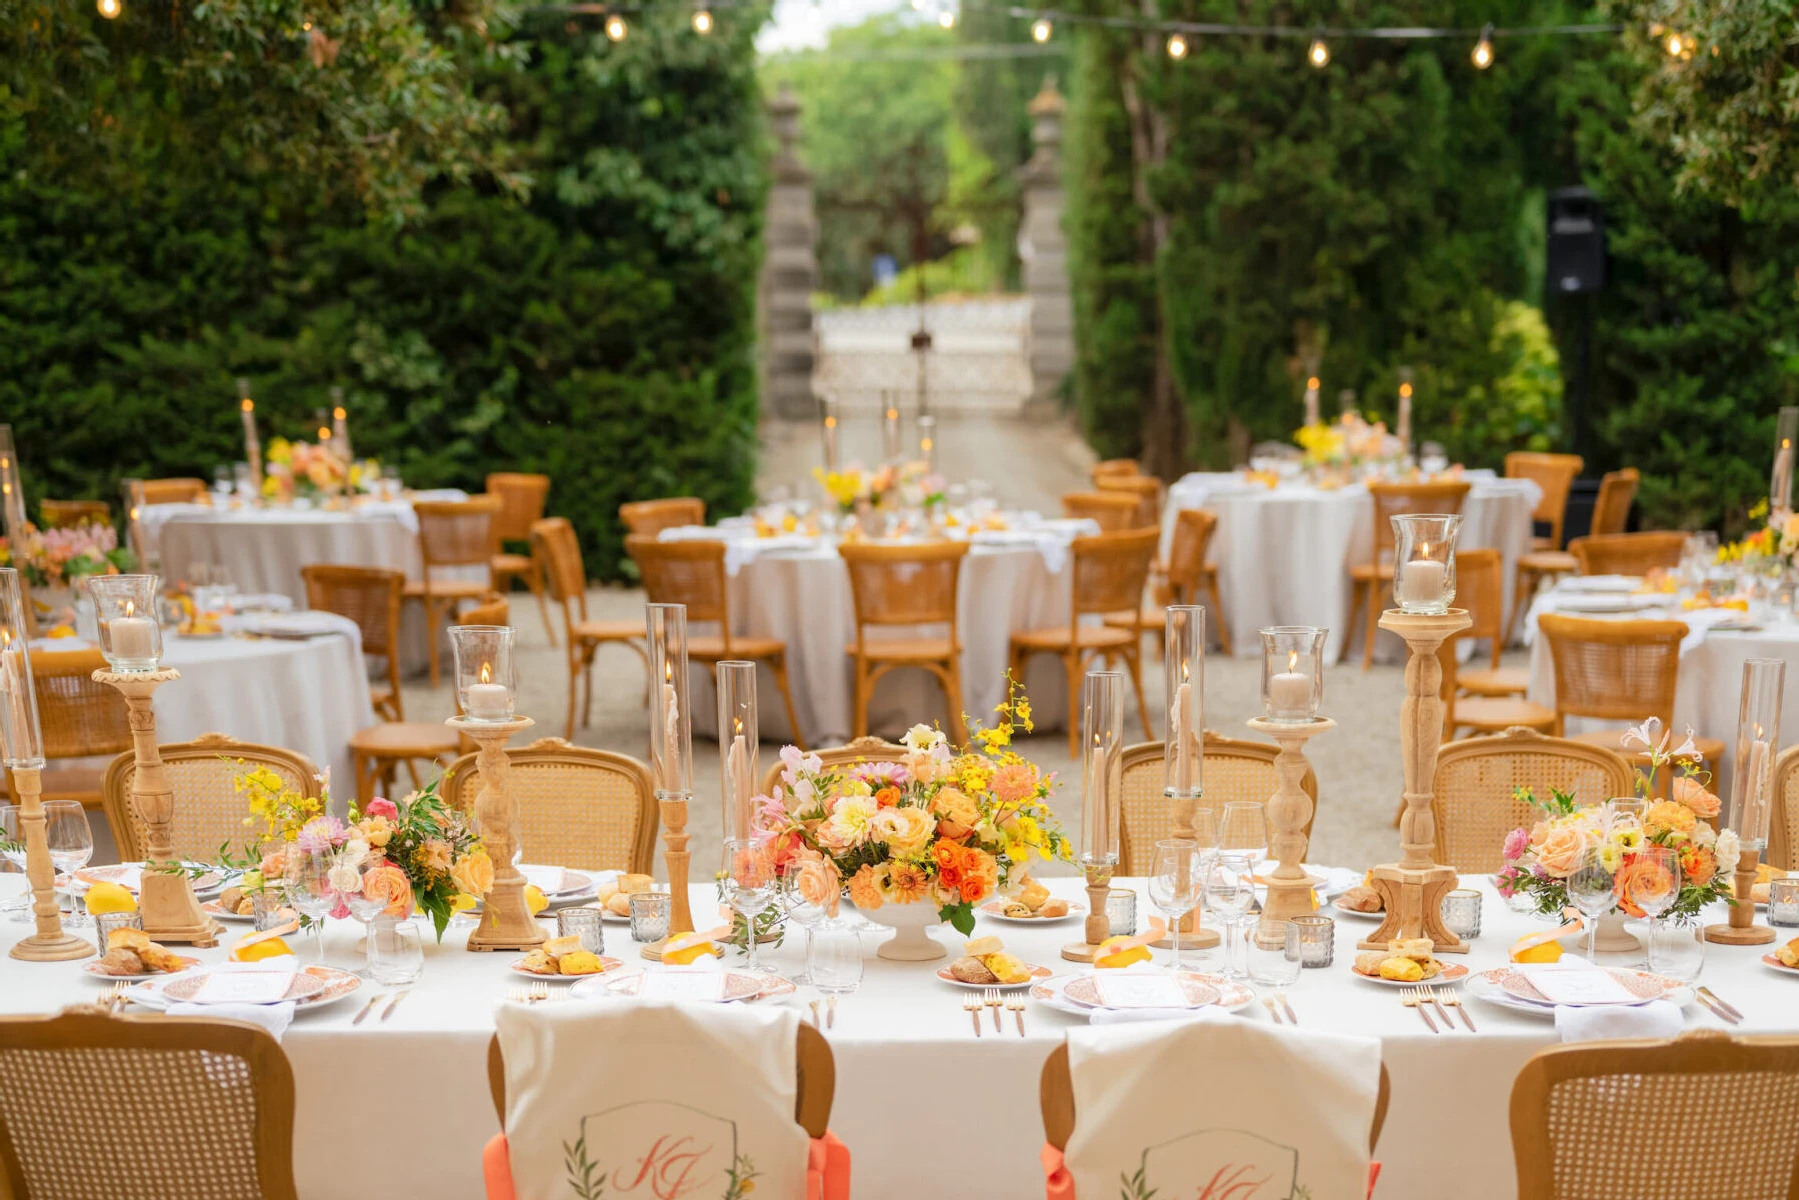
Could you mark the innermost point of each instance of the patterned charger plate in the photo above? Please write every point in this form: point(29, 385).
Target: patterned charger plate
point(606, 964)
point(1231, 994)
point(739, 985)
point(1084, 990)
point(98, 969)
point(1641, 984)
point(304, 987)
point(1036, 971)
point(997, 908)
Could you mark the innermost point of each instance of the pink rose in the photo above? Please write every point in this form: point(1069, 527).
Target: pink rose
point(379, 807)
point(273, 865)
point(1561, 853)
point(1515, 843)
point(1689, 792)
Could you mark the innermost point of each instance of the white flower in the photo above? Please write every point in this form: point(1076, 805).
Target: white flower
point(354, 852)
point(922, 738)
point(1704, 836)
point(1687, 750)
point(1646, 735)
point(1728, 849)
point(345, 879)
point(850, 824)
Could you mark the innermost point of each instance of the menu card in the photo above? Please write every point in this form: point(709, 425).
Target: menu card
point(548, 880)
point(244, 987)
point(1120, 989)
point(684, 985)
point(1577, 984)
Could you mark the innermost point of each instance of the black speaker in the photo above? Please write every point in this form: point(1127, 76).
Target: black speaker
point(1576, 242)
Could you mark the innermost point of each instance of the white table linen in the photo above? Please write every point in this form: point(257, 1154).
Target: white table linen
point(910, 1073)
point(1284, 555)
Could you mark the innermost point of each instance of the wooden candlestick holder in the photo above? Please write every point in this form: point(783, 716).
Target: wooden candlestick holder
point(1412, 889)
point(166, 900)
point(673, 807)
point(1741, 929)
point(1099, 925)
point(51, 942)
point(1192, 934)
point(506, 920)
point(1289, 809)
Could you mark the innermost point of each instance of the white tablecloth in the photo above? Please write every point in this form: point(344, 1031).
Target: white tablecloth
point(1284, 555)
point(911, 1078)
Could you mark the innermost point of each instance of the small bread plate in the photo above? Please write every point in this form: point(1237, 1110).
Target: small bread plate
point(997, 910)
point(1779, 966)
point(98, 970)
point(209, 882)
point(681, 983)
point(1326, 881)
point(1207, 990)
point(314, 987)
point(1037, 974)
point(1337, 909)
point(1451, 974)
point(1506, 987)
point(606, 964)
point(1603, 583)
point(218, 911)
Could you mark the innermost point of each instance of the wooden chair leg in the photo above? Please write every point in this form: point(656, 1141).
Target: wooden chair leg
point(587, 689)
point(431, 632)
point(1135, 663)
point(573, 668)
point(1071, 663)
point(412, 772)
point(779, 665)
point(859, 699)
point(534, 581)
point(1526, 586)
point(365, 784)
point(1224, 626)
point(951, 675)
point(1373, 625)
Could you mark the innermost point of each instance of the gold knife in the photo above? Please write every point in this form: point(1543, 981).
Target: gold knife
point(367, 1008)
point(398, 996)
point(1722, 1003)
point(1292, 1018)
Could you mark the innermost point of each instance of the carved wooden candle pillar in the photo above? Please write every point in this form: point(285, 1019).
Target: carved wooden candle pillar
point(671, 757)
point(1289, 810)
point(1102, 735)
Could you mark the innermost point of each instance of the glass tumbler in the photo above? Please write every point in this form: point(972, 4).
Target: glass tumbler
point(649, 915)
point(834, 956)
point(396, 953)
point(1269, 962)
point(1461, 913)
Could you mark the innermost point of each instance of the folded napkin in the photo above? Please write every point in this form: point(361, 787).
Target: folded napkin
point(1130, 1016)
point(1656, 1019)
point(273, 1017)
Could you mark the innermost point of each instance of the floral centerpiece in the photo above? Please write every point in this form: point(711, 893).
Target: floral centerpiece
point(1350, 444)
point(1772, 549)
point(1540, 860)
point(301, 469)
point(59, 557)
point(891, 486)
point(416, 852)
point(932, 836)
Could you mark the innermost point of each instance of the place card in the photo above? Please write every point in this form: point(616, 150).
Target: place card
point(1125, 989)
point(244, 987)
point(684, 985)
point(1581, 984)
point(548, 880)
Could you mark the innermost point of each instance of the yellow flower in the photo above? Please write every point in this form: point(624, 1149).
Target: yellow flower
point(473, 874)
point(1628, 838)
point(1666, 814)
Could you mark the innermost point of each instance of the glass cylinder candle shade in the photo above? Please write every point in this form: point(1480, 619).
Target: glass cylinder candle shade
point(828, 422)
point(130, 637)
point(1424, 561)
point(890, 427)
point(12, 490)
point(671, 720)
point(133, 490)
point(1292, 672)
point(1184, 671)
point(21, 738)
point(927, 441)
point(738, 739)
point(484, 678)
point(1780, 480)
point(1102, 741)
point(1758, 741)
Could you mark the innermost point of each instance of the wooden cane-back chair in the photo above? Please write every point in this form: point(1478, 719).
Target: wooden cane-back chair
point(554, 543)
point(1611, 511)
point(906, 585)
point(522, 498)
point(1146, 488)
point(693, 573)
point(812, 1053)
point(1783, 830)
point(195, 1106)
point(209, 810)
point(1114, 466)
point(1188, 577)
point(1628, 553)
point(1372, 580)
point(861, 750)
point(491, 609)
point(79, 719)
point(1113, 512)
point(647, 518)
point(1554, 476)
point(1056, 1099)
point(1108, 573)
point(369, 596)
point(589, 809)
point(1494, 698)
point(179, 490)
point(62, 514)
point(1235, 769)
point(1473, 799)
point(1569, 1102)
point(452, 534)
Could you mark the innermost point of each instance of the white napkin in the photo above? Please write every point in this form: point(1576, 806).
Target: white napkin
point(273, 1017)
point(1130, 1016)
point(1656, 1019)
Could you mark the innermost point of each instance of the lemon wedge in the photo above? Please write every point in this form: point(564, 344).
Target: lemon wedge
point(535, 900)
point(257, 951)
point(1119, 958)
point(110, 898)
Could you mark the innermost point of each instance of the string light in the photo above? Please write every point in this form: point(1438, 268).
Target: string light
point(110, 9)
point(1177, 46)
point(615, 28)
point(702, 22)
point(1318, 54)
point(1041, 29)
point(947, 18)
point(1483, 49)
point(1675, 45)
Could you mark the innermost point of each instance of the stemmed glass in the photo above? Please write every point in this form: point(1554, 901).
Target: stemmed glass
point(1230, 888)
point(364, 910)
point(1243, 831)
point(309, 890)
point(1653, 885)
point(12, 847)
point(1590, 887)
point(1174, 885)
point(71, 842)
point(802, 913)
point(749, 886)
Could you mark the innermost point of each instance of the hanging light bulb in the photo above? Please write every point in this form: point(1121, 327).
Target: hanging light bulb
point(1483, 49)
point(1041, 29)
point(615, 28)
point(702, 22)
point(1675, 45)
point(1177, 46)
point(947, 18)
point(110, 9)
point(1318, 54)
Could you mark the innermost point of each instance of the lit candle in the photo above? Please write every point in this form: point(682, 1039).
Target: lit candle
point(829, 408)
point(252, 444)
point(1404, 432)
point(739, 786)
point(1422, 581)
point(340, 425)
point(890, 431)
point(1312, 401)
point(133, 637)
point(1780, 488)
point(1757, 794)
point(489, 701)
point(671, 735)
point(12, 689)
point(1290, 691)
point(1186, 751)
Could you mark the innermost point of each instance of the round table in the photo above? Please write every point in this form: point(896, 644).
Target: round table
point(1284, 554)
point(910, 1072)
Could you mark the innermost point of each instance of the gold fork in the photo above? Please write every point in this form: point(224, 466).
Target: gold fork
point(992, 1000)
point(972, 1006)
point(1015, 1005)
point(1455, 1002)
point(1430, 994)
point(1411, 999)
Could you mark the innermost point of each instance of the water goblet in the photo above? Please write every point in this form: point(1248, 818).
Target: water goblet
point(1653, 885)
point(71, 843)
point(749, 887)
point(1590, 888)
point(1174, 885)
point(12, 848)
point(801, 912)
point(1243, 831)
point(1230, 889)
point(309, 890)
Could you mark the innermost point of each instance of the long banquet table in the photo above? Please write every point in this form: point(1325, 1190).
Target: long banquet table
point(912, 1080)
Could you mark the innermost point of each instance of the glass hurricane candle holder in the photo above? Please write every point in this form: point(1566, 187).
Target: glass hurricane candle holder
point(12, 491)
point(739, 742)
point(1424, 561)
point(130, 637)
point(484, 679)
point(1184, 675)
point(1102, 739)
point(1292, 672)
point(21, 738)
point(1758, 741)
point(1780, 479)
point(671, 728)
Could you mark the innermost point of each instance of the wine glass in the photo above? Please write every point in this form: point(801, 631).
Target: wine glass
point(1230, 888)
point(1590, 887)
point(1653, 885)
point(71, 842)
point(309, 889)
point(1174, 885)
point(12, 848)
point(801, 912)
point(749, 886)
point(1243, 830)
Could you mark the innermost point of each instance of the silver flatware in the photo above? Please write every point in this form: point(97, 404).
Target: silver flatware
point(377, 998)
point(831, 1011)
point(399, 996)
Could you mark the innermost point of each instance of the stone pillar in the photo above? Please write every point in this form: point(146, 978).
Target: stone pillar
point(1043, 250)
point(789, 273)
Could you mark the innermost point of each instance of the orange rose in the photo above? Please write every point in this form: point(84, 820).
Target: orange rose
point(818, 883)
point(887, 797)
point(1560, 853)
point(948, 857)
point(1699, 866)
point(389, 884)
point(865, 889)
point(980, 875)
point(1689, 792)
point(1639, 874)
point(1666, 814)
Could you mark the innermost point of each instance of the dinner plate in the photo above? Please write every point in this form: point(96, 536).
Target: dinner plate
point(738, 985)
point(209, 883)
point(1605, 602)
point(94, 967)
point(1328, 882)
point(1641, 984)
point(1485, 986)
point(1452, 973)
point(1603, 583)
point(606, 965)
point(1232, 994)
point(1036, 971)
point(1779, 966)
point(997, 910)
point(335, 985)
